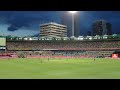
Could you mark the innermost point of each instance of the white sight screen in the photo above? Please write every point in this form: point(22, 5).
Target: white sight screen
point(2, 41)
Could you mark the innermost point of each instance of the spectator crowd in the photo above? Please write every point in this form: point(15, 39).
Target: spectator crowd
point(83, 45)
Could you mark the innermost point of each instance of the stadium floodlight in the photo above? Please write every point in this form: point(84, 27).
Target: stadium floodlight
point(90, 38)
point(72, 12)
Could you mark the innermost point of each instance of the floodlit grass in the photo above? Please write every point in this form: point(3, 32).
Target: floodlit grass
point(60, 69)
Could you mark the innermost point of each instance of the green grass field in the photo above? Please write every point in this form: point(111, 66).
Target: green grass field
point(60, 69)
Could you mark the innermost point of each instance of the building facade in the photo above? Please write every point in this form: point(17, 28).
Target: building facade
point(102, 27)
point(53, 30)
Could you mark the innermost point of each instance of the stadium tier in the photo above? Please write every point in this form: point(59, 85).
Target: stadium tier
point(78, 45)
point(67, 48)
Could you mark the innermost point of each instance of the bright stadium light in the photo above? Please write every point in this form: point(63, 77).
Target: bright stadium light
point(72, 12)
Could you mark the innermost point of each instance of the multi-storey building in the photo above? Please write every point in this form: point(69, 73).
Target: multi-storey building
point(53, 30)
point(102, 27)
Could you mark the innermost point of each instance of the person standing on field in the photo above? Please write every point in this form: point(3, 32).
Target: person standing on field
point(94, 58)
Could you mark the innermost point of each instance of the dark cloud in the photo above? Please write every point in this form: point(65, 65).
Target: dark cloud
point(27, 19)
point(13, 28)
point(18, 23)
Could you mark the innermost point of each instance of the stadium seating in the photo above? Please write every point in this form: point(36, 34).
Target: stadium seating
point(79, 49)
point(93, 45)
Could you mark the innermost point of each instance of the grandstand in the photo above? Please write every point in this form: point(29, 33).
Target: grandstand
point(79, 49)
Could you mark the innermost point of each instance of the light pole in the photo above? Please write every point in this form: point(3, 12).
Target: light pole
point(73, 12)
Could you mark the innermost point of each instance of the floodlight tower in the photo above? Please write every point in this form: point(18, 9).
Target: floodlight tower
point(72, 12)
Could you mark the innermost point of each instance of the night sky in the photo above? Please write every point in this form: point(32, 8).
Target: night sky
point(24, 23)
